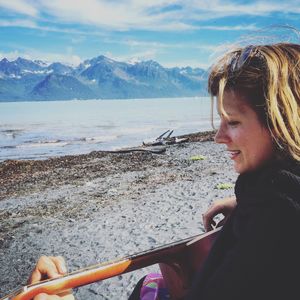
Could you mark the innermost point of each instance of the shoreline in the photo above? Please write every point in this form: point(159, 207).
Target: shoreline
point(25, 173)
point(100, 206)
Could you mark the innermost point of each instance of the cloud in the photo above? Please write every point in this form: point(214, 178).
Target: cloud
point(172, 15)
point(19, 6)
point(18, 23)
point(215, 9)
point(184, 63)
point(156, 15)
point(134, 57)
point(122, 16)
point(10, 55)
point(25, 23)
point(67, 58)
point(230, 28)
point(134, 43)
point(157, 49)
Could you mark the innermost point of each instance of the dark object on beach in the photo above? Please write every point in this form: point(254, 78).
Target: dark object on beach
point(166, 139)
point(155, 150)
point(178, 262)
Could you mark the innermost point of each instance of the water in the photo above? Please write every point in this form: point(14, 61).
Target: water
point(38, 130)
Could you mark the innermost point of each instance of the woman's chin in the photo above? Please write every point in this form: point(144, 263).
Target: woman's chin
point(239, 169)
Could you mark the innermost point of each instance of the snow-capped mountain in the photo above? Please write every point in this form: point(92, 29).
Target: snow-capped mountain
point(97, 78)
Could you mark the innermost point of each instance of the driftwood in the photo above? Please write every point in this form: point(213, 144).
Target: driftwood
point(166, 139)
point(159, 145)
point(154, 149)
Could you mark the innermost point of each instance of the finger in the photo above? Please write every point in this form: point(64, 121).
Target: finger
point(60, 264)
point(208, 216)
point(44, 296)
point(45, 268)
point(208, 222)
point(35, 276)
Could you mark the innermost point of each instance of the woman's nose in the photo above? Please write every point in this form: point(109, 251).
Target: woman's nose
point(221, 136)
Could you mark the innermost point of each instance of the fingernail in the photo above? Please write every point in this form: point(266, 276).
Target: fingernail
point(64, 269)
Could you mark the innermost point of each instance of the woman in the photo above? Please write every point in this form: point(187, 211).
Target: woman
point(257, 254)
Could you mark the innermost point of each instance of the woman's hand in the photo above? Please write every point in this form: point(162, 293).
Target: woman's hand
point(50, 267)
point(224, 206)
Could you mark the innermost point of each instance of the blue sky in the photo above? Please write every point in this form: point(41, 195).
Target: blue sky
point(172, 32)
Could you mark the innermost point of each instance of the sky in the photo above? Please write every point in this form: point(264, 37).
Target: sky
point(172, 32)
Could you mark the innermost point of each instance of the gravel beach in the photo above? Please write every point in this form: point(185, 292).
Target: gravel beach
point(100, 206)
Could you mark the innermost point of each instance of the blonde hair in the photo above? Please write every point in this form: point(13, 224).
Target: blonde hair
point(268, 76)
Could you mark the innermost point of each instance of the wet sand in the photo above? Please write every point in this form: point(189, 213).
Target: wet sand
point(100, 206)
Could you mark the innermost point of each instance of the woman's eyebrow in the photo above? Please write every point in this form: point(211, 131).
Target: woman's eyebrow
point(225, 113)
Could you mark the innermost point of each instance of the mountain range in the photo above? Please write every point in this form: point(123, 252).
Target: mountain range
point(97, 78)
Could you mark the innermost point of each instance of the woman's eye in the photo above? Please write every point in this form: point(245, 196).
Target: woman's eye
point(233, 123)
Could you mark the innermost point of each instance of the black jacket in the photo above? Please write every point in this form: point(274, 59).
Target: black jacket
point(257, 254)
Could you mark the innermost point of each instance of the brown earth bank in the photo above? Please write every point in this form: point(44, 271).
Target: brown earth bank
point(103, 205)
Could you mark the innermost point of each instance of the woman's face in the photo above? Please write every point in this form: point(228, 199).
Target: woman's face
point(248, 142)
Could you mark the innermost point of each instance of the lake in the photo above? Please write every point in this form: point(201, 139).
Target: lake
point(39, 130)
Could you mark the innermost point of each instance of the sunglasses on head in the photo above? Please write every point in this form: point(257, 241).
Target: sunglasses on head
point(241, 59)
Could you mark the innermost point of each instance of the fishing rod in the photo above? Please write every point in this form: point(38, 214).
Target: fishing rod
point(178, 261)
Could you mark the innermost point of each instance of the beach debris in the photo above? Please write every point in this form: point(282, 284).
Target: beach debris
point(197, 157)
point(162, 135)
point(158, 146)
point(166, 139)
point(224, 186)
point(155, 150)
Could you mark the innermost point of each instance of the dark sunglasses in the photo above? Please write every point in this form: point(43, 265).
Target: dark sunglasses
point(241, 59)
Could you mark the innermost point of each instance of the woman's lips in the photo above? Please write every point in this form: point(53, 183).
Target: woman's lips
point(234, 153)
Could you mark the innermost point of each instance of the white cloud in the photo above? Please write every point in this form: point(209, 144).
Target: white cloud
point(19, 6)
point(157, 15)
point(184, 63)
point(18, 23)
point(214, 9)
point(111, 15)
point(134, 43)
point(230, 28)
point(159, 46)
point(10, 55)
point(67, 58)
point(134, 57)
point(25, 23)
point(92, 12)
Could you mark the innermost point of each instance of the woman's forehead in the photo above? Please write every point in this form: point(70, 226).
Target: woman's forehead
point(232, 103)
